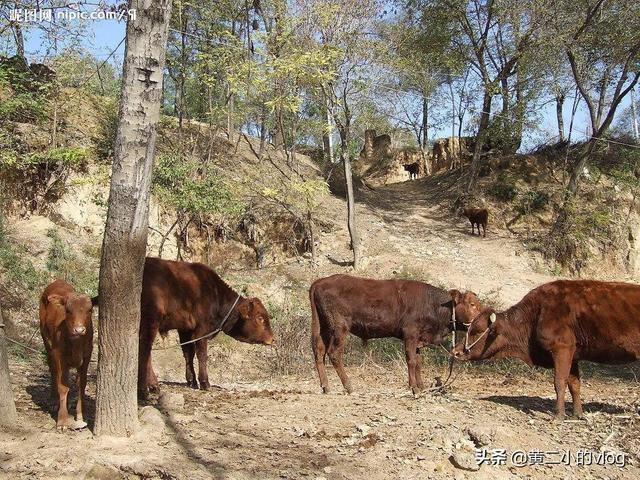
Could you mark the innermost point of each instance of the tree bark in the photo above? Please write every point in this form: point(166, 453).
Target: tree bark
point(327, 140)
point(125, 237)
point(351, 205)
point(559, 104)
point(480, 138)
point(8, 414)
point(425, 123)
point(634, 116)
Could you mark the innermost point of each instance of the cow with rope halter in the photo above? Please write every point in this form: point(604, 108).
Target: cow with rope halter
point(193, 299)
point(558, 324)
point(415, 312)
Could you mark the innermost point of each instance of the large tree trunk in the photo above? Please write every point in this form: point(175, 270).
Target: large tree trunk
point(559, 103)
point(480, 138)
point(8, 415)
point(125, 237)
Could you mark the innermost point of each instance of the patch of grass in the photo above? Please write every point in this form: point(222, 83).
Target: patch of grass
point(17, 268)
point(63, 263)
point(503, 189)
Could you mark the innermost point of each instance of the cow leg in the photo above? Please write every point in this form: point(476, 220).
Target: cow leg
point(574, 389)
point(336, 353)
point(147, 335)
point(419, 381)
point(484, 230)
point(472, 229)
point(62, 387)
point(152, 378)
point(201, 352)
point(562, 361)
point(189, 352)
point(319, 351)
point(81, 383)
point(412, 361)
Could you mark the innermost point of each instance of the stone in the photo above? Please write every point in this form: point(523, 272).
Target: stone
point(103, 472)
point(464, 459)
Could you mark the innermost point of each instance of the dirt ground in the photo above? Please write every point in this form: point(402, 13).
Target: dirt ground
point(251, 425)
point(255, 423)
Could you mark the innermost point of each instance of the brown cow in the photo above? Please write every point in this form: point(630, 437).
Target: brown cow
point(476, 216)
point(413, 169)
point(193, 299)
point(67, 333)
point(416, 312)
point(558, 324)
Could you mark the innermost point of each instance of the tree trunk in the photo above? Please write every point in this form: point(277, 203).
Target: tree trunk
point(351, 205)
point(425, 123)
point(559, 103)
point(8, 415)
point(125, 237)
point(480, 138)
point(327, 138)
point(19, 37)
point(231, 130)
point(183, 63)
point(634, 116)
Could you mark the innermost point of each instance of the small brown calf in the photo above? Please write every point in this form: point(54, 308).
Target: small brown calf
point(67, 333)
point(476, 216)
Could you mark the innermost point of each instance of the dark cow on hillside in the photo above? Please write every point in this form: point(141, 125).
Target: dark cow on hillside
point(67, 334)
point(413, 169)
point(476, 216)
point(416, 312)
point(559, 324)
point(193, 299)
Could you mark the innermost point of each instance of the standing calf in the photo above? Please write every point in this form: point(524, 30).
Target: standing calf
point(476, 216)
point(416, 312)
point(67, 333)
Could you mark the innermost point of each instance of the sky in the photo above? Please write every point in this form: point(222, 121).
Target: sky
point(104, 36)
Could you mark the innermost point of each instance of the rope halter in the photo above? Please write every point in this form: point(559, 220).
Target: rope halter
point(467, 347)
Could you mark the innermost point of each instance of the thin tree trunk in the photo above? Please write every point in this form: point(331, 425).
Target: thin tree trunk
point(480, 138)
point(19, 37)
point(125, 237)
point(351, 205)
point(425, 123)
point(231, 130)
point(327, 137)
point(183, 63)
point(559, 104)
point(8, 414)
point(634, 116)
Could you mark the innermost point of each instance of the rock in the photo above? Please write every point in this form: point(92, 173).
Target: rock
point(481, 436)
point(172, 401)
point(364, 429)
point(464, 459)
point(151, 424)
point(103, 472)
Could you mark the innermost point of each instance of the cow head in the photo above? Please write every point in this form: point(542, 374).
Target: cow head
point(467, 305)
point(76, 309)
point(483, 339)
point(253, 325)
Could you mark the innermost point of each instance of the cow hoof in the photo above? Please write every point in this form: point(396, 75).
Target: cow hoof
point(579, 416)
point(193, 384)
point(154, 388)
point(78, 425)
point(558, 418)
point(143, 395)
point(205, 385)
point(325, 389)
point(348, 389)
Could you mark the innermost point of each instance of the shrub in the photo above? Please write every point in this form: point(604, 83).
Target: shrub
point(503, 189)
point(533, 201)
point(17, 269)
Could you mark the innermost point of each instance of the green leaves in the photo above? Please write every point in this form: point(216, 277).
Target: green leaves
point(193, 187)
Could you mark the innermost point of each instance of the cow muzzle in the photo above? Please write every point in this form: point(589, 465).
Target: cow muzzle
point(78, 331)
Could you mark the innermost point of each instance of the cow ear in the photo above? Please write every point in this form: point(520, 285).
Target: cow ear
point(456, 296)
point(56, 299)
point(492, 317)
point(95, 301)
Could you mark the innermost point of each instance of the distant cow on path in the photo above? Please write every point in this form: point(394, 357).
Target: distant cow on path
point(413, 169)
point(476, 216)
point(558, 324)
point(416, 312)
point(67, 334)
point(193, 299)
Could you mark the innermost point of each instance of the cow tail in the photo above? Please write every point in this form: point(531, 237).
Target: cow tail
point(316, 335)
